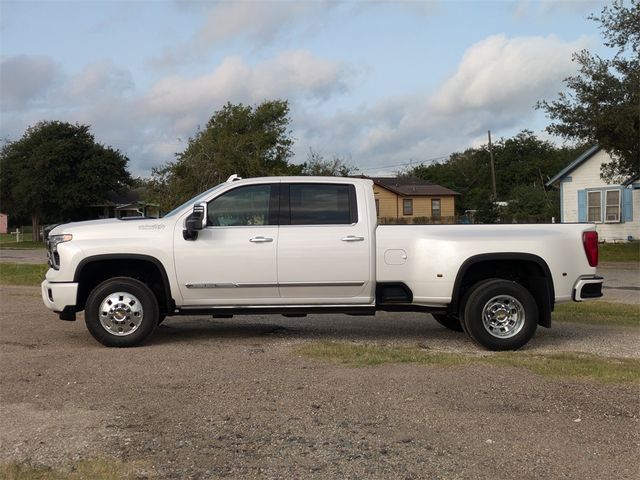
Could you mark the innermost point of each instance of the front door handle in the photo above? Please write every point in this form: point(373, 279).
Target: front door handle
point(352, 238)
point(261, 239)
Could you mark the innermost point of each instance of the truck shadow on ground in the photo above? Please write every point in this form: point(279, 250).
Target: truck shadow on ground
point(386, 328)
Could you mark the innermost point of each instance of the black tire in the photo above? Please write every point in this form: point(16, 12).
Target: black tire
point(121, 312)
point(448, 321)
point(500, 314)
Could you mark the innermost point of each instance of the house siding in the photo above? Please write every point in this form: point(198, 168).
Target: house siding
point(587, 177)
point(391, 205)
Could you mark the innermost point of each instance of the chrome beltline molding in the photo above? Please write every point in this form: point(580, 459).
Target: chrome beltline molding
point(272, 285)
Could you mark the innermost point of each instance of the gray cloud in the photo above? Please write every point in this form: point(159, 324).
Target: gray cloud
point(26, 79)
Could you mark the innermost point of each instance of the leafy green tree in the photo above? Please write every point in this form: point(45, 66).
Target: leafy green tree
point(249, 141)
point(317, 165)
point(56, 170)
point(603, 102)
point(521, 161)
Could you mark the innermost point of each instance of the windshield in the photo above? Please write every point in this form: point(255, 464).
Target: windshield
point(193, 200)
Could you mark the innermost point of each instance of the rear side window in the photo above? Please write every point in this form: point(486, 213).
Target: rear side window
point(322, 204)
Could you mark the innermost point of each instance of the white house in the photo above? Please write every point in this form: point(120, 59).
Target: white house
point(585, 197)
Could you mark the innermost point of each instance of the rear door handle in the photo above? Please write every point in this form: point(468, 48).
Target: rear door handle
point(352, 238)
point(261, 240)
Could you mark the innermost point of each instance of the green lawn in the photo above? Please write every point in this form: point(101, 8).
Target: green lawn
point(8, 241)
point(573, 365)
point(95, 469)
point(620, 252)
point(598, 313)
point(22, 273)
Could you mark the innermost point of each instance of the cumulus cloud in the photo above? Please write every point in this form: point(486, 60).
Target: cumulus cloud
point(292, 75)
point(501, 72)
point(26, 79)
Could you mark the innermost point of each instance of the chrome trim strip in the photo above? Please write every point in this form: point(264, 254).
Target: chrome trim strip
point(277, 307)
point(271, 285)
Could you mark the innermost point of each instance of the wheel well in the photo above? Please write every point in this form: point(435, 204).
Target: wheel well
point(529, 271)
point(92, 272)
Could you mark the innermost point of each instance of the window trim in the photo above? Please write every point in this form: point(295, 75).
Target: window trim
point(606, 205)
point(603, 204)
point(404, 207)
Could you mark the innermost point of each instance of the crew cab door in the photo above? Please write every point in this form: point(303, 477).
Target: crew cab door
point(233, 260)
point(324, 247)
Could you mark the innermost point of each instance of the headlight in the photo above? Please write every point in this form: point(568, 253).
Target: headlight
point(54, 240)
point(52, 251)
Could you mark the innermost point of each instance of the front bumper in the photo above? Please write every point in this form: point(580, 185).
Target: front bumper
point(59, 296)
point(587, 288)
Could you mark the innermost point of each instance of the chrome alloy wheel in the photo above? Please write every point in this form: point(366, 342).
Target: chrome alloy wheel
point(121, 313)
point(503, 316)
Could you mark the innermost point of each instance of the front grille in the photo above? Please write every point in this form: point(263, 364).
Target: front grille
point(53, 257)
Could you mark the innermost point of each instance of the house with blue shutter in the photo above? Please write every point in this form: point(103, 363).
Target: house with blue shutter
point(585, 197)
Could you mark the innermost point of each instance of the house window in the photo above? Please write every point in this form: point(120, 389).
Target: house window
point(377, 207)
point(612, 206)
point(594, 206)
point(435, 208)
point(407, 206)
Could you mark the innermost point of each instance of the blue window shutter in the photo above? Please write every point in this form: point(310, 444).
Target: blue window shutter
point(582, 205)
point(627, 205)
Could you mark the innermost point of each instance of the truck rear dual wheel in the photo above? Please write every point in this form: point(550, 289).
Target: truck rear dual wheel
point(121, 312)
point(500, 314)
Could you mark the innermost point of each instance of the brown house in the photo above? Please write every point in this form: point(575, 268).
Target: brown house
point(412, 200)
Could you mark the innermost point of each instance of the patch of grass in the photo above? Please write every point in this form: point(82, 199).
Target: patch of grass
point(26, 245)
point(598, 313)
point(95, 469)
point(619, 252)
point(574, 365)
point(22, 273)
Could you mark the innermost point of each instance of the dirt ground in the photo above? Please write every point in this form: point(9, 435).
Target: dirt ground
point(231, 398)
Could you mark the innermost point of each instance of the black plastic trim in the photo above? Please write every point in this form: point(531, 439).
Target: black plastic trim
point(225, 312)
point(388, 293)
point(488, 257)
point(170, 305)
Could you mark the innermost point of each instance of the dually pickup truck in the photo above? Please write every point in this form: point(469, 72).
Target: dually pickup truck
point(301, 245)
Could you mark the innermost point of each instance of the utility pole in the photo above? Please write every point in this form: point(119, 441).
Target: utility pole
point(493, 169)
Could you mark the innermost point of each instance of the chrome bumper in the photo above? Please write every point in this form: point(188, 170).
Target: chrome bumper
point(587, 288)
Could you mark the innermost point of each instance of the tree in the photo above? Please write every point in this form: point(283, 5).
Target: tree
point(317, 165)
point(603, 104)
point(56, 170)
point(524, 163)
point(248, 141)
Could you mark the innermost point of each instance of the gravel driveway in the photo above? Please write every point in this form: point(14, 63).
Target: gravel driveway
point(212, 398)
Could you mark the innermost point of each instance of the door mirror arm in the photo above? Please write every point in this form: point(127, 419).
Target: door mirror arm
point(195, 222)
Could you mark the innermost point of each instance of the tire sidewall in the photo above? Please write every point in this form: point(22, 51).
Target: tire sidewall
point(121, 284)
point(477, 299)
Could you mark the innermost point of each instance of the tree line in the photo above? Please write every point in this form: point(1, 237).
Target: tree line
point(57, 170)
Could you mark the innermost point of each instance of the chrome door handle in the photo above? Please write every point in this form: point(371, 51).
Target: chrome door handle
point(261, 240)
point(352, 238)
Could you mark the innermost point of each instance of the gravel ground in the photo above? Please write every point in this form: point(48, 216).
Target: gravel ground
point(213, 398)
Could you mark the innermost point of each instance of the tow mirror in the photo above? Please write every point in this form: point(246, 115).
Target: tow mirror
point(194, 223)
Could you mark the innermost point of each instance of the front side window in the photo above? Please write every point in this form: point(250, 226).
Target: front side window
point(322, 204)
point(435, 208)
point(242, 206)
point(594, 206)
point(612, 206)
point(407, 206)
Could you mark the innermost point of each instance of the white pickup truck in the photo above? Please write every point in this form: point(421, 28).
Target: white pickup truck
point(299, 245)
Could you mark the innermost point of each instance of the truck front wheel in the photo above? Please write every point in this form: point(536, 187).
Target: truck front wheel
point(500, 314)
point(121, 312)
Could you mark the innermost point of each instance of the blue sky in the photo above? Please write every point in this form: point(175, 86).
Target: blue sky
point(383, 84)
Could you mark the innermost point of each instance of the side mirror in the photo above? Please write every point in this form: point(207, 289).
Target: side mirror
point(194, 223)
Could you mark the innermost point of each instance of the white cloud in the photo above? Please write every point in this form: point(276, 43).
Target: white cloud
point(501, 72)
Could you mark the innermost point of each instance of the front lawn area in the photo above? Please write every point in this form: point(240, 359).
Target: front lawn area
point(22, 273)
point(620, 252)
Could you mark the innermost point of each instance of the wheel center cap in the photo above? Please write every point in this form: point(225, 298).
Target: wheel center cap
point(120, 314)
point(501, 315)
